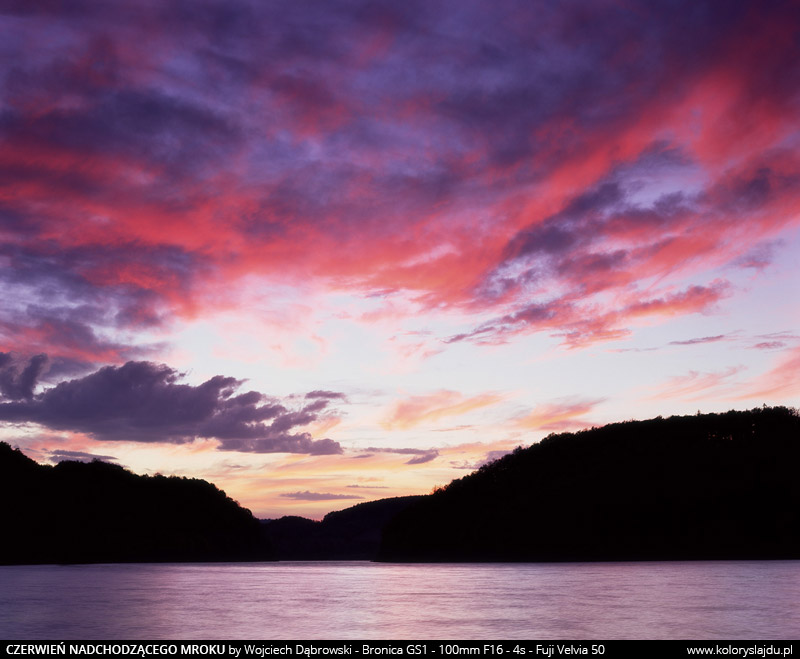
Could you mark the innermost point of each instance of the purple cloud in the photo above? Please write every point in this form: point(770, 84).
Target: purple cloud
point(19, 380)
point(63, 301)
point(769, 345)
point(144, 402)
point(134, 125)
point(421, 455)
point(80, 456)
point(703, 339)
point(329, 395)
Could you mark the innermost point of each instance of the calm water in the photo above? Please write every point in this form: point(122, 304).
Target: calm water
point(726, 599)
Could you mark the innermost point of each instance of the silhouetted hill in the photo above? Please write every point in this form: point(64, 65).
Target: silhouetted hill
point(350, 534)
point(712, 486)
point(99, 512)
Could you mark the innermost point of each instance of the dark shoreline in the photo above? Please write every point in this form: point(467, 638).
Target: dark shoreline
point(714, 487)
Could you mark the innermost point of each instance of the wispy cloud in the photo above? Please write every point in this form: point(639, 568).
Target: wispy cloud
point(415, 410)
point(696, 385)
point(564, 414)
point(317, 496)
point(774, 340)
point(368, 487)
point(60, 454)
point(419, 456)
point(779, 383)
point(699, 340)
point(488, 192)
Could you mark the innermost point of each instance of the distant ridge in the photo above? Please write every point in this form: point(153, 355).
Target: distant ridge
point(98, 512)
point(711, 486)
point(350, 534)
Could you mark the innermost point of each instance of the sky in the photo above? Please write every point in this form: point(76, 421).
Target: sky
point(326, 252)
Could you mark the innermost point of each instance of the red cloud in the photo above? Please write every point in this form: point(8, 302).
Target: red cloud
point(326, 160)
point(691, 300)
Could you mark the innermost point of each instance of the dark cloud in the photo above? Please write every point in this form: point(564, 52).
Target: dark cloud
point(80, 456)
point(369, 487)
point(569, 246)
point(77, 303)
point(562, 243)
point(487, 330)
point(583, 68)
point(760, 256)
point(110, 116)
point(283, 443)
point(18, 380)
point(591, 270)
point(560, 234)
point(702, 339)
point(547, 238)
point(754, 188)
point(317, 496)
point(533, 316)
point(60, 368)
point(421, 456)
point(578, 325)
point(598, 200)
point(144, 402)
point(775, 340)
point(491, 456)
point(352, 123)
point(329, 395)
point(96, 275)
point(769, 345)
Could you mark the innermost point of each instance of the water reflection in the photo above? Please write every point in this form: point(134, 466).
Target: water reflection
point(353, 600)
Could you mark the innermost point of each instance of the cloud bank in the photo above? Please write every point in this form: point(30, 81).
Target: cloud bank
point(537, 168)
point(145, 402)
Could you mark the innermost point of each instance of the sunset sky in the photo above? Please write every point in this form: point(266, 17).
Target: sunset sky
point(325, 252)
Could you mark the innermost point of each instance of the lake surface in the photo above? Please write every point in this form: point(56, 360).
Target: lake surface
point(360, 600)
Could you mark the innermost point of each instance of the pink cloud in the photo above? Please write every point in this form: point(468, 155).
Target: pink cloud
point(781, 382)
point(416, 410)
point(328, 163)
point(695, 385)
point(562, 415)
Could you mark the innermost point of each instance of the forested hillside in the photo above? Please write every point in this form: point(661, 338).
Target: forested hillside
point(709, 486)
point(350, 534)
point(99, 512)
